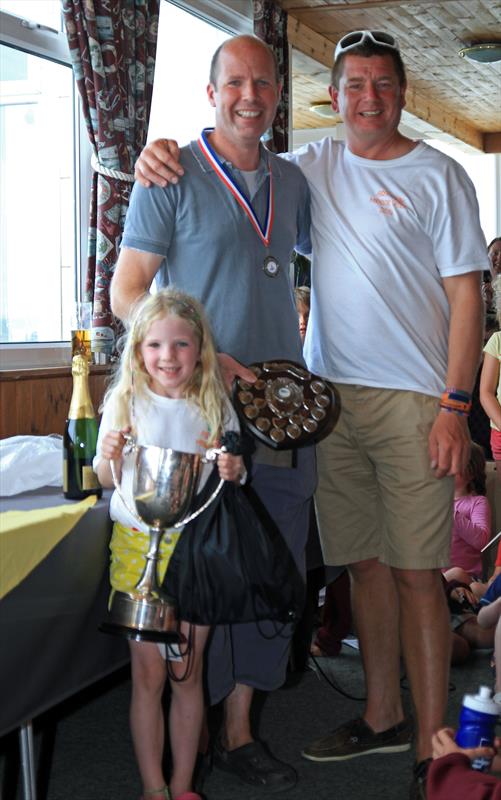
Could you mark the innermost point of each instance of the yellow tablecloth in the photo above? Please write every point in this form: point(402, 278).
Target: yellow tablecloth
point(27, 537)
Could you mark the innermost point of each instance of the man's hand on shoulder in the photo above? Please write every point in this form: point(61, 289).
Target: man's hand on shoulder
point(449, 444)
point(159, 164)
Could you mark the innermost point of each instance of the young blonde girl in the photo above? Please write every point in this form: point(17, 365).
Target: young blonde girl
point(168, 392)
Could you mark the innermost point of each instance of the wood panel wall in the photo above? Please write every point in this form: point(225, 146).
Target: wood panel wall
point(36, 401)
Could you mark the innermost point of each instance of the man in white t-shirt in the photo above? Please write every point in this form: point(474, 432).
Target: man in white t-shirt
point(396, 323)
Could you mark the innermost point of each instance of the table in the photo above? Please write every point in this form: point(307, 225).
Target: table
point(51, 646)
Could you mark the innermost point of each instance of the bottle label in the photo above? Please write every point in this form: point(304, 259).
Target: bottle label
point(102, 340)
point(476, 730)
point(482, 764)
point(65, 475)
point(89, 479)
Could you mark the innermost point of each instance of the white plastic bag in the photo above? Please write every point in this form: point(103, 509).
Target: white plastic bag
point(30, 462)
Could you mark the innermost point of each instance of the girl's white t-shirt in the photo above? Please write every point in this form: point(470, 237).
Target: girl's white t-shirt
point(163, 422)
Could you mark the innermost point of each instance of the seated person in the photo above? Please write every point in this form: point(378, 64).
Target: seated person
point(450, 774)
point(488, 616)
point(467, 633)
point(471, 528)
point(478, 588)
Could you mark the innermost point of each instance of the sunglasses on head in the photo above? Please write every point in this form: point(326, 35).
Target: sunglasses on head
point(356, 38)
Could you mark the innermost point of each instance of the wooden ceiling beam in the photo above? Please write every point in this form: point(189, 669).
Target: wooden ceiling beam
point(288, 5)
point(309, 42)
point(321, 49)
point(434, 113)
point(492, 142)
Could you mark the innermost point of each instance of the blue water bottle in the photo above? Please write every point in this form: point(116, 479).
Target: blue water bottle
point(477, 723)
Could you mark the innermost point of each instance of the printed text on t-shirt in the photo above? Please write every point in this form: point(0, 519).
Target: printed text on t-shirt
point(386, 202)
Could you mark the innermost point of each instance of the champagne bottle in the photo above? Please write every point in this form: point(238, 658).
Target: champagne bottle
point(80, 437)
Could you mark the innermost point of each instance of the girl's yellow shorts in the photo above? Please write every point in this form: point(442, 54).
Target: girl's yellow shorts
point(128, 550)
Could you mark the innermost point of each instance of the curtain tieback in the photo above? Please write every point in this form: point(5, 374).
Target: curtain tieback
point(110, 173)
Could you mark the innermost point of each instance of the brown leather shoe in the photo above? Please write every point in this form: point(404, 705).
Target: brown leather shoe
point(356, 738)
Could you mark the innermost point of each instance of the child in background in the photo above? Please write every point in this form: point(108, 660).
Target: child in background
point(478, 588)
point(302, 295)
point(494, 251)
point(467, 633)
point(336, 611)
point(489, 615)
point(471, 528)
point(450, 776)
point(490, 384)
point(169, 392)
point(478, 421)
point(497, 568)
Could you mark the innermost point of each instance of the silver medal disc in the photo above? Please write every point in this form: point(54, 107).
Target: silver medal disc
point(271, 267)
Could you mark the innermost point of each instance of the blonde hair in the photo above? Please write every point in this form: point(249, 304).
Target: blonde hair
point(302, 295)
point(206, 386)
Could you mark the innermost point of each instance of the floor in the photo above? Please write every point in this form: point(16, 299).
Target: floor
point(88, 744)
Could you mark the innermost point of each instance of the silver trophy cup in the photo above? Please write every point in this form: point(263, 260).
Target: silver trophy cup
point(164, 486)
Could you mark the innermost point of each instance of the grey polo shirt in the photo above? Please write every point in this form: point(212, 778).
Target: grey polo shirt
point(212, 251)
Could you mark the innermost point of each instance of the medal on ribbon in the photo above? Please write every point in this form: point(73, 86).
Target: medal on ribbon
point(271, 266)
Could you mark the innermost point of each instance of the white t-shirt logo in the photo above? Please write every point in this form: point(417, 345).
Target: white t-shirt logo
point(386, 202)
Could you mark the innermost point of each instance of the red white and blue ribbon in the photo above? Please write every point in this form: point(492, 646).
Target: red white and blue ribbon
point(225, 176)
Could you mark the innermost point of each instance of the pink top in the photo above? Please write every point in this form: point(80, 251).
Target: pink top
point(471, 530)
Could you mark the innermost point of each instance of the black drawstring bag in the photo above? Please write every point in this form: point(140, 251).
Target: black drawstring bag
point(231, 563)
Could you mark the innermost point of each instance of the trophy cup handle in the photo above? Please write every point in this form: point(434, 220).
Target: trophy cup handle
point(118, 488)
point(210, 455)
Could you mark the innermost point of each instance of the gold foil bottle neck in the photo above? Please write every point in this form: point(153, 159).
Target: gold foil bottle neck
point(79, 366)
point(81, 404)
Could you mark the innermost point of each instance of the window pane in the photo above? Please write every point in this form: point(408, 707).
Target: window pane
point(180, 108)
point(37, 253)
point(44, 12)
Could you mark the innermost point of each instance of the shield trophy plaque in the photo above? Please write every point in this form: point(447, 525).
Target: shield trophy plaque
point(164, 484)
point(287, 406)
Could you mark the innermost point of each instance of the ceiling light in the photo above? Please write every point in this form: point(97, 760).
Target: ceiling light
point(324, 110)
point(485, 52)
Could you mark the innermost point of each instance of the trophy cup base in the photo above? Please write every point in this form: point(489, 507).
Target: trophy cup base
point(165, 637)
point(142, 618)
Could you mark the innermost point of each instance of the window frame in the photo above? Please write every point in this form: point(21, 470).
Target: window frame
point(221, 13)
point(44, 42)
point(48, 43)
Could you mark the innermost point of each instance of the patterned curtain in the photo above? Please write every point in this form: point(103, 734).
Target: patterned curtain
point(270, 24)
point(113, 46)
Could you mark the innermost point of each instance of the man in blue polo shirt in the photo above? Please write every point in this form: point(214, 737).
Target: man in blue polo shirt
point(225, 234)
